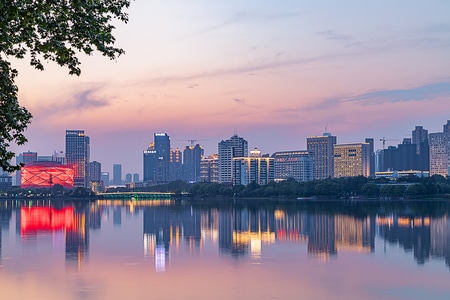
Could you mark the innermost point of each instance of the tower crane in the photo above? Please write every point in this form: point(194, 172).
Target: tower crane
point(385, 139)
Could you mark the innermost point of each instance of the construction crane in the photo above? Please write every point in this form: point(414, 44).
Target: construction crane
point(192, 141)
point(385, 139)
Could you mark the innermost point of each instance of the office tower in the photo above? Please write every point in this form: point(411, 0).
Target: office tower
point(293, 164)
point(117, 174)
point(253, 168)
point(321, 150)
point(439, 144)
point(352, 160)
point(157, 159)
point(135, 177)
point(95, 171)
point(209, 168)
point(419, 136)
point(192, 156)
point(77, 155)
point(128, 178)
point(370, 141)
point(175, 167)
point(229, 149)
point(446, 127)
point(105, 178)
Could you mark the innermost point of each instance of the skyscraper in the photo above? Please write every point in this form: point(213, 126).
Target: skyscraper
point(117, 174)
point(77, 155)
point(229, 149)
point(321, 150)
point(210, 168)
point(192, 156)
point(439, 151)
point(157, 159)
point(175, 167)
point(419, 136)
point(352, 160)
point(255, 168)
point(95, 171)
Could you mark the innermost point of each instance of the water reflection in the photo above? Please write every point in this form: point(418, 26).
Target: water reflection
point(237, 231)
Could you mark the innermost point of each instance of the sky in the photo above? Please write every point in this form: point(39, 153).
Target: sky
point(274, 72)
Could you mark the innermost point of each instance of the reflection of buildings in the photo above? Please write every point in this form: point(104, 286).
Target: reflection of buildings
point(244, 230)
point(355, 234)
point(68, 220)
point(321, 235)
point(166, 227)
point(77, 238)
point(5, 217)
point(411, 233)
point(440, 238)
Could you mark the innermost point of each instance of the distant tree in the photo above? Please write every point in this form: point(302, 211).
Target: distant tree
point(51, 31)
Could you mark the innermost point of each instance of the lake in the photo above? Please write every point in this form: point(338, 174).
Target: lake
point(244, 250)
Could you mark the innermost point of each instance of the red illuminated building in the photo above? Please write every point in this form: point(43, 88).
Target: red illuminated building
point(46, 174)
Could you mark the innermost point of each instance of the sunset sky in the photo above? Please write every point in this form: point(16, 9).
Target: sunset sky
point(275, 72)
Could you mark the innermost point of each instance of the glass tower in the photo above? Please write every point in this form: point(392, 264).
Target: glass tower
point(77, 156)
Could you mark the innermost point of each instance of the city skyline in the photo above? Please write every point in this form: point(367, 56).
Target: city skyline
point(274, 74)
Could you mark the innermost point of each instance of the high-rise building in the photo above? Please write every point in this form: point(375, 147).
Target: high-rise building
point(117, 174)
point(439, 144)
point(370, 141)
point(128, 178)
point(293, 164)
point(77, 156)
point(209, 168)
point(157, 159)
point(135, 177)
point(447, 126)
point(105, 178)
point(419, 136)
point(175, 167)
point(229, 149)
point(321, 150)
point(352, 160)
point(254, 168)
point(192, 156)
point(95, 171)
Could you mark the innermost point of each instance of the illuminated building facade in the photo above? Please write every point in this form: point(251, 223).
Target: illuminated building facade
point(321, 150)
point(352, 160)
point(254, 168)
point(77, 156)
point(293, 164)
point(209, 168)
point(175, 167)
point(439, 145)
point(229, 149)
point(157, 159)
point(46, 175)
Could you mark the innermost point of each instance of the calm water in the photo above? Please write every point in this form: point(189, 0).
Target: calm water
point(166, 250)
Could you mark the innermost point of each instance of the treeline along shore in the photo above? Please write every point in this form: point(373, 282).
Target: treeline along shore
point(436, 187)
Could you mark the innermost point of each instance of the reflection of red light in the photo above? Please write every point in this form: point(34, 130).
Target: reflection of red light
point(46, 174)
point(281, 234)
point(35, 219)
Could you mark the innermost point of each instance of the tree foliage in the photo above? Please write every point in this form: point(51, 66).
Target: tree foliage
point(48, 30)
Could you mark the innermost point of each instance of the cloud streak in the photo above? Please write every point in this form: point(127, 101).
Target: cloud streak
point(420, 93)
